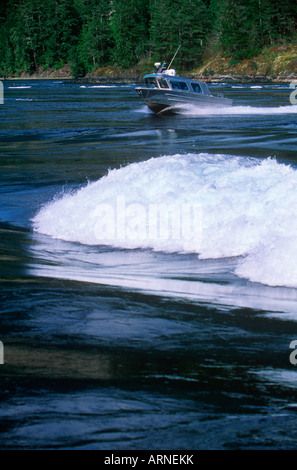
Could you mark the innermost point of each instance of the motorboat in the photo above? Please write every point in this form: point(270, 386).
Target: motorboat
point(166, 93)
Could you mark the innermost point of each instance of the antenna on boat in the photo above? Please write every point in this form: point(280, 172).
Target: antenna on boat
point(174, 56)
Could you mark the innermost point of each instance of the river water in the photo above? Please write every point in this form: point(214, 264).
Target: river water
point(115, 339)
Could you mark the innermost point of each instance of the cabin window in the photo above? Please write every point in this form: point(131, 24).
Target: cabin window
point(178, 85)
point(163, 83)
point(196, 87)
point(151, 82)
point(183, 86)
point(174, 84)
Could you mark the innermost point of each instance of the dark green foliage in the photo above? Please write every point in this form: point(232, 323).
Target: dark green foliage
point(87, 34)
point(239, 35)
point(247, 25)
point(187, 24)
point(37, 34)
point(130, 30)
point(95, 42)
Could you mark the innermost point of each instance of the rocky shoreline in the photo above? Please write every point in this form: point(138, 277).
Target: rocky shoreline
point(139, 78)
point(276, 64)
point(113, 75)
point(126, 78)
point(219, 78)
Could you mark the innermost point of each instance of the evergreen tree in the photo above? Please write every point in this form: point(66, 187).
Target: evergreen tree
point(193, 22)
point(238, 32)
point(67, 28)
point(177, 22)
point(246, 26)
point(38, 34)
point(278, 20)
point(95, 42)
point(130, 28)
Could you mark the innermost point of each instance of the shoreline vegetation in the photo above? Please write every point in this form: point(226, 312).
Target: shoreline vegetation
point(277, 64)
point(104, 41)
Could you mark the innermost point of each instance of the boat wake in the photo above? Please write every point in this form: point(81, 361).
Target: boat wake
point(225, 206)
point(193, 110)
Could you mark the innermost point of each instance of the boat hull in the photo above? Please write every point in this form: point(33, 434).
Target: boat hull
point(174, 102)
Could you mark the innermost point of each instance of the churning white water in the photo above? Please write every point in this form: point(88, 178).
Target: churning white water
point(217, 206)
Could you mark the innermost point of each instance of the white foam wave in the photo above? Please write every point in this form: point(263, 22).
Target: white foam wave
point(239, 110)
point(143, 109)
point(246, 86)
point(18, 87)
point(102, 86)
point(249, 210)
point(98, 86)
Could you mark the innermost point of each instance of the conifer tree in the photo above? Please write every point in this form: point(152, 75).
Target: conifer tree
point(95, 38)
point(130, 29)
point(177, 22)
point(38, 34)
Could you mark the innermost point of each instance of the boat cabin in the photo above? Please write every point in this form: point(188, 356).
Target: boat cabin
point(168, 80)
point(166, 93)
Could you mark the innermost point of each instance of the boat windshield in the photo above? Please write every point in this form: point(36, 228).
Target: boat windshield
point(163, 83)
point(151, 82)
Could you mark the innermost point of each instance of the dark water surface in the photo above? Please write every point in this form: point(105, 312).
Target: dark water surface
point(136, 345)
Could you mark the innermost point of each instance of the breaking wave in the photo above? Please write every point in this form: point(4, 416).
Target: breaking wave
point(248, 211)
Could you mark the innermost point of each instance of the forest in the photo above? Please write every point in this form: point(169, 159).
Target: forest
point(88, 34)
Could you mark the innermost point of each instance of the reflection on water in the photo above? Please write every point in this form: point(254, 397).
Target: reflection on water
point(39, 361)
